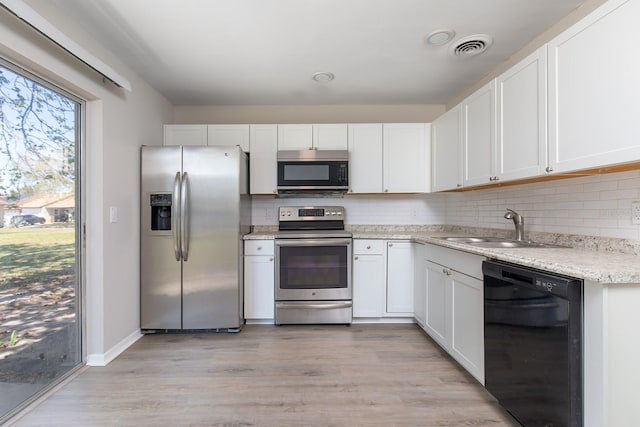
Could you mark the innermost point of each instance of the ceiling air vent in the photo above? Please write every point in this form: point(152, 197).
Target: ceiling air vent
point(471, 45)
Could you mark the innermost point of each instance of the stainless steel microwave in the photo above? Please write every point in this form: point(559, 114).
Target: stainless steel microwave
point(313, 171)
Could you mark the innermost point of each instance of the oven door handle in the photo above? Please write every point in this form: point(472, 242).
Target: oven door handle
point(315, 306)
point(313, 242)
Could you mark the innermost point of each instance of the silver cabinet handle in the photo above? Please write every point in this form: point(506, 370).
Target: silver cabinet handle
point(548, 169)
point(184, 218)
point(175, 216)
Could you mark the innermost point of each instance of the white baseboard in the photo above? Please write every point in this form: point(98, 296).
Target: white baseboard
point(361, 320)
point(103, 359)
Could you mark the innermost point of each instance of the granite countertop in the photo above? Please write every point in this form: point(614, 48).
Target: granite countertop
point(587, 259)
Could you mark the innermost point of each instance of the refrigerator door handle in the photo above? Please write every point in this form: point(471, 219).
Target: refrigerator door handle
point(184, 217)
point(175, 216)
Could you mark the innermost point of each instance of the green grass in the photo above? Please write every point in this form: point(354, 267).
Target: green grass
point(36, 255)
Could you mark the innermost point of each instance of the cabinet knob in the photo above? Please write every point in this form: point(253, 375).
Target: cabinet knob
point(369, 247)
point(386, 190)
point(275, 191)
point(355, 257)
point(458, 185)
point(548, 169)
point(270, 259)
point(259, 248)
point(390, 244)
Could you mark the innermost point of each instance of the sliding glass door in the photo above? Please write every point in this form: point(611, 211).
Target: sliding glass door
point(40, 245)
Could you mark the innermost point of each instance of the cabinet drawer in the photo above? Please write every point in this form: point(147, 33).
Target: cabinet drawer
point(464, 262)
point(258, 247)
point(368, 247)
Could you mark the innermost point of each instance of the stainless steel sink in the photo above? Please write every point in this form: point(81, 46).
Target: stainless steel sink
point(496, 242)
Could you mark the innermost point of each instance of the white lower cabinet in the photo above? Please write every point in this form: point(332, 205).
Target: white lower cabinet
point(455, 305)
point(419, 286)
point(259, 279)
point(400, 278)
point(437, 303)
point(467, 323)
point(368, 285)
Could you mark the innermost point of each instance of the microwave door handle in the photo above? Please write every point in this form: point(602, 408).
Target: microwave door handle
point(175, 216)
point(184, 218)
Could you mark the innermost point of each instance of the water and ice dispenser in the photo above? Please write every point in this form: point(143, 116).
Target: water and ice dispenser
point(161, 211)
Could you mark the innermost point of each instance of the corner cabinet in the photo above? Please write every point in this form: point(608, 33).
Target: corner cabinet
point(446, 151)
point(594, 90)
point(263, 172)
point(259, 279)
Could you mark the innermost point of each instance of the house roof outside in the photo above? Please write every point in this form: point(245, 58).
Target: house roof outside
point(48, 201)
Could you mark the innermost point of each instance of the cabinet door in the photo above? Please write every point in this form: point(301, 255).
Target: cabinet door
point(400, 278)
point(263, 169)
point(467, 323)
point(258, 287)
point(478, 136)
point(229, 135)
point(522, 118)
point(438, 301)
point(594, 90)
point(419, 286)
point(295, 137)
point(330, 137)
point(368, 285)
point(406, 157)
point(446, 151)
point(185, 135)
point(365, 158)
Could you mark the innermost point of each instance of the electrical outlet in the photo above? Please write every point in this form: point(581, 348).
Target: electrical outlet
point(635, 213)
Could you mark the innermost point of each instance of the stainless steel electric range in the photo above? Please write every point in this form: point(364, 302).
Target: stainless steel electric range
point(313, 266)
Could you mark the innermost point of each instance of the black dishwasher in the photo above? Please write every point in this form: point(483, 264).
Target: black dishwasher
point(533, 344)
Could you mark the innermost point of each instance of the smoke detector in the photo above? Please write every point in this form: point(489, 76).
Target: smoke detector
point(471, 45)
point(440, 37)
point(323, 76)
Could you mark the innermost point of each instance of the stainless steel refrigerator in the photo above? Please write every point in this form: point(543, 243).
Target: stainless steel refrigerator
point(195, 208)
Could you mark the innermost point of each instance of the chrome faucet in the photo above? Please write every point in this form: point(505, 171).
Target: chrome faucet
point(518, 221)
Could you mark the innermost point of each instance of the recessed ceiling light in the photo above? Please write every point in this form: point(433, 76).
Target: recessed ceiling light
point(440, 37)
point(323, 76)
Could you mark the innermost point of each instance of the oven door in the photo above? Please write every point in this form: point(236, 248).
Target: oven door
point(313, 269)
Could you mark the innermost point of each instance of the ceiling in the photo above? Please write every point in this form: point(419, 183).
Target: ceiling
point(259, 52)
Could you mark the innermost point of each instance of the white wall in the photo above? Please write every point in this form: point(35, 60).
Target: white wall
point(265, 114)
point(117, 123)
point(394, 209)
point(595, 205)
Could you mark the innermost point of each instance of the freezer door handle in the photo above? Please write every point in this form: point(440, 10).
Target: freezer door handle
point(184, 217)
point(175, 214)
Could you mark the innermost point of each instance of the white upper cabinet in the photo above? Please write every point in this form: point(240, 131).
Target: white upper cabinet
point(330, 136)
point(594, 90)
point(446, 151)
point(478, 136)
point(365, 158)
point(229, 135)
point(522, 119)
point(307, 137)
point(185, 134)
point(406, 157)
point(295, 137)
point(263, 169)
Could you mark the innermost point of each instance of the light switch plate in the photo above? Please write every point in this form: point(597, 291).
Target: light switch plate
point(635, 213)
point(113, 214)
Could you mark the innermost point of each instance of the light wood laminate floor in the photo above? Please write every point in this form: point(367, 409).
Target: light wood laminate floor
point(362, 375)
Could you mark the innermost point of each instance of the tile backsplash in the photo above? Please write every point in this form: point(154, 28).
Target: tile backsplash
point(597, 205)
